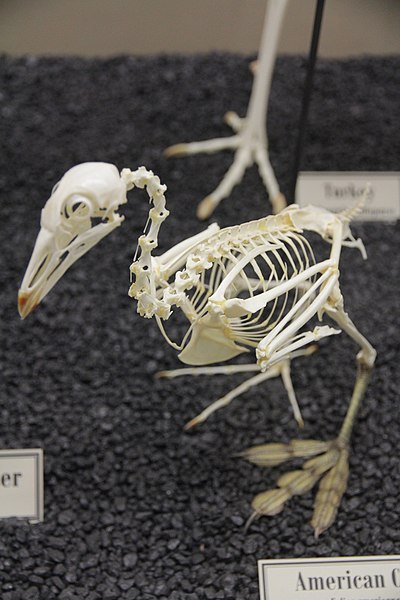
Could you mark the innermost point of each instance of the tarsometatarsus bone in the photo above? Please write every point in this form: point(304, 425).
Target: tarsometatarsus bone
point(249, 141)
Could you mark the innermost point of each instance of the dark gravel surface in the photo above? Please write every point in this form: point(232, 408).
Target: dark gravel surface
point(134, 506)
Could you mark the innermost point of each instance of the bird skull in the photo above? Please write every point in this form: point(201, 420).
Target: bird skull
point(78, 214)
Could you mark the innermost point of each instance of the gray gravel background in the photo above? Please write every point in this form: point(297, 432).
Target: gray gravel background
point(134, 506)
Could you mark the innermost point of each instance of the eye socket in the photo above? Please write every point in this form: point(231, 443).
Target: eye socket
point(77, 208)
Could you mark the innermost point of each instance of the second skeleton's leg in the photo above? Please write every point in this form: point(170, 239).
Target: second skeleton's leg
point(327, 461)
point(250, 142)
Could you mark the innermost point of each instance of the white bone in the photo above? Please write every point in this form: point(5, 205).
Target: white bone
point(79, 213)
point(237, 307)
point(282, 369)
point(276, 370)
point(367, 353)
point(253, 287)
point(250, 142)
point(269, 261)
point(284, 332)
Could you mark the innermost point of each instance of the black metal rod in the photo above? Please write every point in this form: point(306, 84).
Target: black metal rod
point(312, 57)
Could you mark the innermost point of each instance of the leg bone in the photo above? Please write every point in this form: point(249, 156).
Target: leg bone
point(282, 368)
point(250, 143)
point(330, 464)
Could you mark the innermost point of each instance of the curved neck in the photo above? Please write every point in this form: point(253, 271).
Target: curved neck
point(143, 288)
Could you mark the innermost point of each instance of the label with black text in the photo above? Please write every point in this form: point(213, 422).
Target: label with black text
point(339, 578)
point(21, 484)
point(337, 191)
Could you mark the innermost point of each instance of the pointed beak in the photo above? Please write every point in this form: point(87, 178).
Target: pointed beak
point(26, 304)
point(79, 213)
point(40, 276)
point(49, 262)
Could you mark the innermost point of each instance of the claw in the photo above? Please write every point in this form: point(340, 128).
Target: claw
point(206, 208)
point(250, 141)
point(271, 455)
point(175, 150)
point(328, 461)
point(331, 489)
point(271, 502)
point(192, 423)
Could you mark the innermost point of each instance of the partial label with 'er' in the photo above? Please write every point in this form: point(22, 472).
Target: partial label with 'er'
point(339, 578)
point(21, 484)
point(337, 191)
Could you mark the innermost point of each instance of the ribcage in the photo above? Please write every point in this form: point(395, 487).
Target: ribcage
point(254, 266)
point(287, 257)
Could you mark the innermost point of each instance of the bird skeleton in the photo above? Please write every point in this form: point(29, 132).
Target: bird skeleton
point(249, 141)
point(254, 288)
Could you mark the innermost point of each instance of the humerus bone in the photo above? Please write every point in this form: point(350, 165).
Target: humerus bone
point(250, 141)
point(255, 287)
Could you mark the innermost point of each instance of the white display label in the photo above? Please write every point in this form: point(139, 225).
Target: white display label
point(21, 484)
point(337, 191)
point(340, 578)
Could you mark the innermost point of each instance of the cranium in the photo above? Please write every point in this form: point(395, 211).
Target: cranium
point(79, 213)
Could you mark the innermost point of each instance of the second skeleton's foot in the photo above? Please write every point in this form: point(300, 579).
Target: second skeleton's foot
point(327, 464)
point(250, 146)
